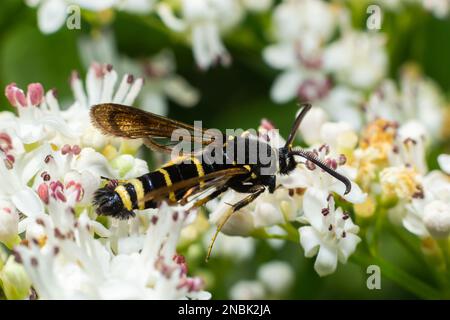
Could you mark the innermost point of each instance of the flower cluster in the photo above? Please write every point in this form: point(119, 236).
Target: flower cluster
point(388, 136)
point(318, 67)
point(61, 248)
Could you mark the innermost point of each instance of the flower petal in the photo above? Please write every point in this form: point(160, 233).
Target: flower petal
point(354, 196)
point(347, 246)
point(280, 56)
point(309, 240)
point(266, 214)
point(444, 162)
point(51, 15)
point(28, 202)
point(314, 200)
point(326, 261)
point(286, 86)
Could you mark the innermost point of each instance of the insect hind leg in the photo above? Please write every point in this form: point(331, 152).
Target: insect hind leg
point(256, 190)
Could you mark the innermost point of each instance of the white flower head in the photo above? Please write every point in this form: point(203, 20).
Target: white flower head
point(427, 213)
point(52, 14)
point(358, 59)
point(416, 99)
point(409, 147)
point(310, 128)
point(437, 218)
point(163, 83)
point(319, 184)
point(439, 8)
point(76, 265)
point(101, 86)
point(204, 21)
point(247, 290)
point(159, 71)
point(444, 163)
point(331, 236)
point(38, 117)
point(277, 276)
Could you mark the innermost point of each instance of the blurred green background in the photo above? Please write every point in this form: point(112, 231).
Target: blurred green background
point(237, 96)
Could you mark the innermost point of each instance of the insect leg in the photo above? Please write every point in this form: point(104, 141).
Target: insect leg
point(213, 195)
point(257, 191)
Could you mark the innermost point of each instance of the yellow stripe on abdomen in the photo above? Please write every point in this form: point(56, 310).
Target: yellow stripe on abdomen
point(168, 183)
point(200, 170)
point(124, 196)
point(137, 184)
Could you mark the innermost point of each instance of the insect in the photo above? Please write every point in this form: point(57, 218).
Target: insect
point(192, 179)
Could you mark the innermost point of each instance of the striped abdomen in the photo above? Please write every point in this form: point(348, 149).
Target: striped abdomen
point(120, 201)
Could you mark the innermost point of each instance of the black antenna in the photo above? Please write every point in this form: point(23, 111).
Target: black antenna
point(305, 107)
point(311, 157)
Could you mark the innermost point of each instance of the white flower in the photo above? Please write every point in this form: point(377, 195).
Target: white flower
point(159, 71)
point(136, 6)
point(52, 13)
point(247, 290)
point(437, 218)
point(427, 212)
point(409, 147)
point(129, 167)
point(14, 280)
point(319, 184)
point(100, 87)
point(331, 236)
point(277, 276)
point(400, 181)
point(350, 102)
point(358, 59)
point(416, 99)
point(310, 21)
point(444, 162)
point(9, 224)
point(310, 128)
point(257, 5)
point(163, 83)
point(76, 265)
point(19, 174)
point(204, 21)
point(440, 8)
point(436, 190)
point(339, 136)
point(38, 118)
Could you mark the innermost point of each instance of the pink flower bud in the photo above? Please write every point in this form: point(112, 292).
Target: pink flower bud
point(43, 192)
point(76, 150)
point(35, 93)
point(66, 149)
point(5, 142)
point(60, 195)
point(55, 185)
point(267, 124)
point(74, 76)
point(10, 93)
point(98, 69)
point(20, 98)
point(15, 95)
point(181, 261)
